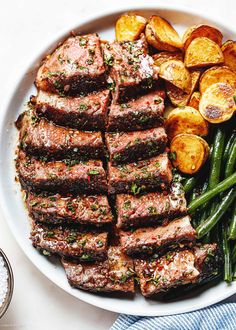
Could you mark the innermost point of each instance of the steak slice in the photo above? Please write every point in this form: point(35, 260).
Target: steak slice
point(70, 242)
point(139, 177)
point(115, 274)
point(134, 146)
point(150, 209)
point(142, 113)
point(176, 269)
point(75, 67)
point(41, 138)
point(60, 176)
point(132, 70)
point(147, 241)
point(94, 210)
point(87, 113)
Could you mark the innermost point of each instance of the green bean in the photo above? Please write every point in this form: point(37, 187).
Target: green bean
point(226, 251)
point(230, 164)
point(228, 147)
point(232, 227)
point(213, 219)
point(190, 184)
point(222, 186)
point(215, 167)
point(234, 255)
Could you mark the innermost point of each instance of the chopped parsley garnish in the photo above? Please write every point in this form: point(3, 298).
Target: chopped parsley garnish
point(86, 257)
point(109, 59)
point(172, 155)
point(135, 189)
point(83, 106)
point(93, 172)
point(83, 42)
point(125, 105)
point(127, 205)
point(152, 210)
point(71, 238)
point(99, 244)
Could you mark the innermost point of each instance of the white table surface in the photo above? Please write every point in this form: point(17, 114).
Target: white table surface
point(24, 26)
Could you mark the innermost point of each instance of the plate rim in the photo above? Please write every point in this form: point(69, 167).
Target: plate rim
point(48, 44)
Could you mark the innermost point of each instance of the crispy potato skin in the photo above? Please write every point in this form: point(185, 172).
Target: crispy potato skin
point(195, 100)
point(203, 52)
point(201, 30)
point(191, 152)
point(165, 35)
point(229, 52)
point(185, 120)
point(162, 57)
point(217, 103)
point(217, 74)
point(175, 72)
point(129, 27)
point(177, 96)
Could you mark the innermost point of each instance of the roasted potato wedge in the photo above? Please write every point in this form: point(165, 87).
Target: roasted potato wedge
point(217, 103)
point(217, 74)
point(162, 57)
point(175, 72)
point(185, 120)
point(191, 152)
point(229, 52)
point(179, 97)
point(203, 52)
point(150, 37)
point(129, 27)
point(194, 100)
point(201, 30)
point(166, 36)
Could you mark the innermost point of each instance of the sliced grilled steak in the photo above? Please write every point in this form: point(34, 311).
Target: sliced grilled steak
point(70, 242)
point(60, 176)
point(142, 113)
point(74, 67)
point(114, 274)
point(87, 113)
point(133, 146)
point(152, 208)
point(94, 210)
point(132, 69)
point(177, 268)
point(41, 138)
point(146, 241)
point(139, 177)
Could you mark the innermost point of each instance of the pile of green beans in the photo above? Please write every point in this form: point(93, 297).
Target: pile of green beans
point(217, 198)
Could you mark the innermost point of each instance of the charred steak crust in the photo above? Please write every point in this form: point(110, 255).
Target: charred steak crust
point(70, 242)
point(86, 113)
point(75, 67)
point(150, 209)
point(147, 241)
point(133, 146)
point(61, 176)
point(132, 70)
point(142, 176)
point(43, 139)
point(55, 209)
point(116, 274)
point(142, 113)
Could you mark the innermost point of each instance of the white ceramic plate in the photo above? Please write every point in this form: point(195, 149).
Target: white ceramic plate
point(10, 196)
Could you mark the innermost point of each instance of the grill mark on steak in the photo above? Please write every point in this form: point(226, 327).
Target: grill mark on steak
point(150, 209)
point(133, 146)
point(147, 241)
point(115, 274)
point(41, 138)
point(70, 242)
point(75, 67)
point(86, 113)
point(87, 210)
point(142, 176)
point(142, 113)
point(58, 176)
point(176, 269)
point(131, 68)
